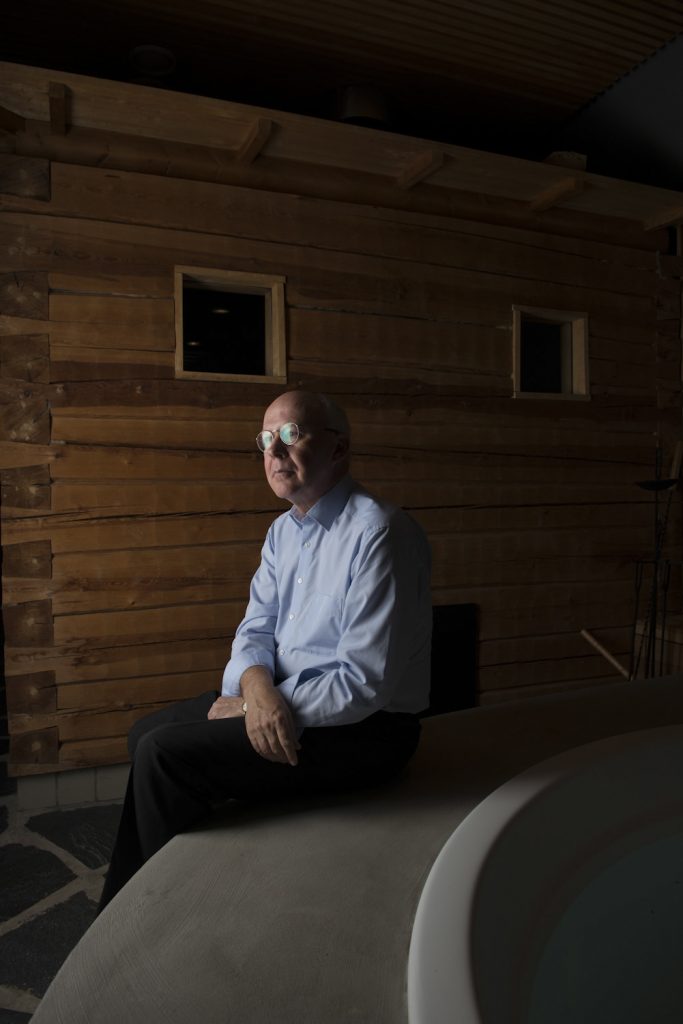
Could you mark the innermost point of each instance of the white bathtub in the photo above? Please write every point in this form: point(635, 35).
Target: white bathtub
point(559, 899)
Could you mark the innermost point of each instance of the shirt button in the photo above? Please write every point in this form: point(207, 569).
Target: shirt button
point(291, 617)
point(282, 650)
point(307, 544)
point(300, 580)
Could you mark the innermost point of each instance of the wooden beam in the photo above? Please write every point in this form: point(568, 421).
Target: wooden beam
point(11, 122)
point(26, 486)
point(31, 694)
point(424, 165)
point(29, 624)
point(39, 746)
point(567, 158)
point(254, 141)
point(24, 176)
point(58, 96)
point(24, 294)
point(664, 219)
point(30, 560)
point(18, 455)
point(25, 357)
point(555, 194)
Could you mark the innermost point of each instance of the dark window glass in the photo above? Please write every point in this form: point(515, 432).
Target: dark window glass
point(541, 356)
point(223, 332)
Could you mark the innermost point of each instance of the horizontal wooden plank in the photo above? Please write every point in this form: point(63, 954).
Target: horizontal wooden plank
point(142, 578)
point(142, 337)
point(85, 595)
point(326, 279)
point(73, 597)
point(224, 209)
point(475, 433)
point(19, 455)
point(74, 662)
point(537, 571)
point(86, 463)
point(527, 649)
point(219, 562)
point(85, 534)
point(88, 753)
point(94, 359)
point(21, 325)
point(173, 498)
point(399, 402)
point(87, 725)
point(110, 337)
point(75, 462)
point(329, 336)
point(163, 400)
point(138, 692)
point(139, 499)
point(180, 621)
point(108, 310)
point(150, 285)
point(139, 366)
point(539, 673)
point(313, 374)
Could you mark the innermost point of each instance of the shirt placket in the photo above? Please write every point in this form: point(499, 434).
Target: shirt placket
point(303, 571)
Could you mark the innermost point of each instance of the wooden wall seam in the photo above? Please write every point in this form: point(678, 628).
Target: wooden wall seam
point(134, 505)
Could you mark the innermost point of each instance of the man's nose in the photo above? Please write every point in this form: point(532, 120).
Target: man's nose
point(278, 448)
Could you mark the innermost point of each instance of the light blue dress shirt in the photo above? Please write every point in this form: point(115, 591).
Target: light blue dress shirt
point(340, 611)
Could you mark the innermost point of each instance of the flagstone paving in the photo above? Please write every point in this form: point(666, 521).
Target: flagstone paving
point(52, 866)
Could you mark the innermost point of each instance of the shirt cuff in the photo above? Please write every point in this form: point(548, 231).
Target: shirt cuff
point(236, 668)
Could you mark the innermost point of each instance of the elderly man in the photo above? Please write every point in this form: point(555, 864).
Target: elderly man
point(329, 666)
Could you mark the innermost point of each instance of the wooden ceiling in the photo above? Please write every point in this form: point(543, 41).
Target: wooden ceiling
point(502, 75)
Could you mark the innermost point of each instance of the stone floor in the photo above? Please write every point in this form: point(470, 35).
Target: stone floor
point(52, 865)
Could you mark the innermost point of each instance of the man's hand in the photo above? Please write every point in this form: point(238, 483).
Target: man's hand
point(226, 707)
point(270, 726)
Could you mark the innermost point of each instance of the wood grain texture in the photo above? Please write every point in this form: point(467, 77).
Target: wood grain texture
point(147, 492)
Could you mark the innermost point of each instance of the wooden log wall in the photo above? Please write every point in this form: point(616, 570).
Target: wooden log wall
point(134, 505)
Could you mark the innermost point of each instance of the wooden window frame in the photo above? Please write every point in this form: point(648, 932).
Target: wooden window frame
point(271, 287)
point(577, 368)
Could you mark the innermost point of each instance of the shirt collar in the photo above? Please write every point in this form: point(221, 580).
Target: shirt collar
point(327, 508)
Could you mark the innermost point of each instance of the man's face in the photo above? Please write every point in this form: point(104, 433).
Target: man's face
point(304, 471)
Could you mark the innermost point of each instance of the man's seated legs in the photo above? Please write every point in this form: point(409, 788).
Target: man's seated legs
point(183, 763)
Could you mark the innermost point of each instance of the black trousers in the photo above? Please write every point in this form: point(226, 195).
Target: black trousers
point(182, 764)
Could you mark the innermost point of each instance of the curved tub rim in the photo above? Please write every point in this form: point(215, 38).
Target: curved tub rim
point(475, 837)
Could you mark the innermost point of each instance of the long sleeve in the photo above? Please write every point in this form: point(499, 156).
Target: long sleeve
point(254, 643)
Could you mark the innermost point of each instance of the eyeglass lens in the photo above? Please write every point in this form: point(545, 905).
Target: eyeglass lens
point(289, 433)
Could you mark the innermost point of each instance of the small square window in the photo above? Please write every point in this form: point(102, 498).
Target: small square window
point(229, 326)
point(550, 353)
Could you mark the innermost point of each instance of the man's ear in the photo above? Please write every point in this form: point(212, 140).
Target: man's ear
point(341, 448)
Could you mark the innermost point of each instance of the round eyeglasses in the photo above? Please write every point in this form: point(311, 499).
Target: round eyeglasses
point(289, 434)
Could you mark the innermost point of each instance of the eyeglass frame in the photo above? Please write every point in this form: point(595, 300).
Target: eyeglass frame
point(290, 423)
